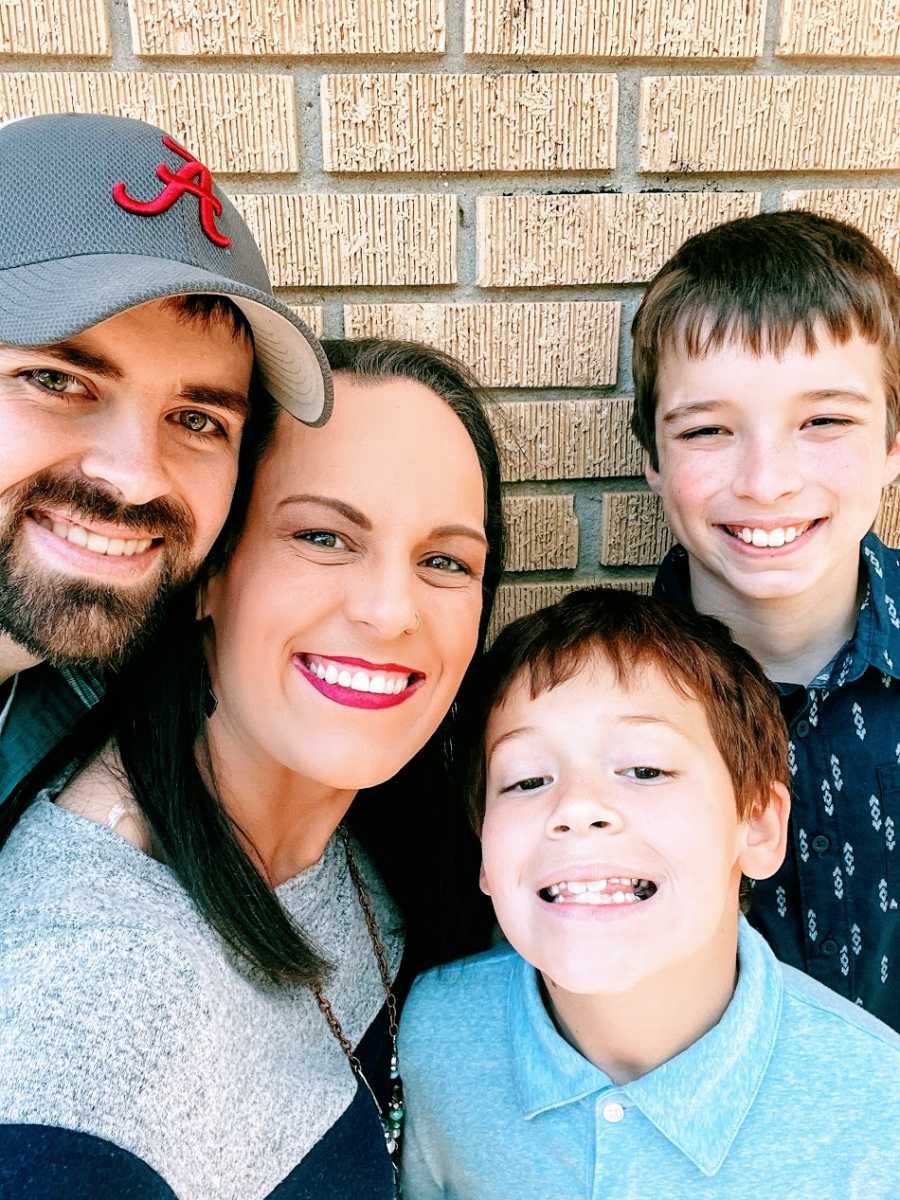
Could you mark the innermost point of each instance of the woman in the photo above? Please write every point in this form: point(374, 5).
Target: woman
point(199, 959)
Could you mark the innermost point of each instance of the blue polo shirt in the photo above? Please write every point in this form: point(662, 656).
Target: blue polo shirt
point(795, 1092)
point(832, 909)
point(44, 707)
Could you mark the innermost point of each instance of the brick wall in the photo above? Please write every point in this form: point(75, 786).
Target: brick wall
point(500, 178)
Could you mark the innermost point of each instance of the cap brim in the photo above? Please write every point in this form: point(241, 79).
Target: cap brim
point(42, 303)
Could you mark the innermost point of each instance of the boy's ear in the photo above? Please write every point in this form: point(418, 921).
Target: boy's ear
point(482, 881)
point(892, 465)
point(652, 475)
point(765, 833)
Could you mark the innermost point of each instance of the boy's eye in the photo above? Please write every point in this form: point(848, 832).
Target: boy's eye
point(645, 774)
point(530, 784)
point(704, 431)
point(824, 422)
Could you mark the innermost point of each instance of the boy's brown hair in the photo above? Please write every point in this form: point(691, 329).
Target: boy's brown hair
point(695, 653)
point(758, 281)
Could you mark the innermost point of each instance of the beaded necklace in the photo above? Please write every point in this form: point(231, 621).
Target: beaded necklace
point(392, 1121)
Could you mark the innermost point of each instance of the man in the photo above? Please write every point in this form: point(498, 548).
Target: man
point(136, 316)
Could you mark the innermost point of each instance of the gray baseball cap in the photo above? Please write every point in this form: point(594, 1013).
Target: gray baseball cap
point(99, 214)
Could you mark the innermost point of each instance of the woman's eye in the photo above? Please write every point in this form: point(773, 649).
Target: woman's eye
point(645, 774)
point(443, 562)
point(530, 784)
point(321, 537)
point(198, 422)
point(57, 382)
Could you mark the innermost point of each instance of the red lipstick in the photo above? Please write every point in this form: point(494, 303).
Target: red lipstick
point(356, 699)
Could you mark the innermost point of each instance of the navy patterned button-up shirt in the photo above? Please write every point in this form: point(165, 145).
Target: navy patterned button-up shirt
point(832, 909)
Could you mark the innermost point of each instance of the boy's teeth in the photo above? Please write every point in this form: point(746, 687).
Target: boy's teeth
point(615, 890)
point(79, 536)
point(358, 680)
point(768, 537)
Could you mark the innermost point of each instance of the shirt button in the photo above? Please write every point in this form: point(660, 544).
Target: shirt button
point(801, 729)
point(821, 843)
point(613, 1112)
point(829, 947)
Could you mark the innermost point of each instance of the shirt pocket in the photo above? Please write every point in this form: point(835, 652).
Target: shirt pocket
point(884, 813)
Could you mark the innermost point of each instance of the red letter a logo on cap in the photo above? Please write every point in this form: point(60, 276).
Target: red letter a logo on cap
point(194, 178)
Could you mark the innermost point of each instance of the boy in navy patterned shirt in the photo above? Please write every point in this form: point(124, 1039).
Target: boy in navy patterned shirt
point(767, 394)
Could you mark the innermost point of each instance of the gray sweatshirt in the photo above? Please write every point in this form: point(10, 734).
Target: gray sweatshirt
point(123, 1016)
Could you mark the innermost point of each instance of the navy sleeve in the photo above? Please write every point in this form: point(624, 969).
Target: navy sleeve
point(42, 1162)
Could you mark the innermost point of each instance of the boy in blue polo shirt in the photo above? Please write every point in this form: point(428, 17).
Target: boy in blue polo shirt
point(767, 398)
point(637, 1037)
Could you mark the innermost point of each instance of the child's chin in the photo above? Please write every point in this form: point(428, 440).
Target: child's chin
point(583, 980)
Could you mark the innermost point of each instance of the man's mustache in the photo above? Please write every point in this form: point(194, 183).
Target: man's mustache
point(160, 518)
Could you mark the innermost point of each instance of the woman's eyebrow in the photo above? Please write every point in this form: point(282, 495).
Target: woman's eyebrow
point(460, 531)
point(339, 506)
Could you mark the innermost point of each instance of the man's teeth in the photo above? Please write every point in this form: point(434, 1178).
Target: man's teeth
point(78, 536)
point(615, 890)
point(783, 535)
point(383, 682)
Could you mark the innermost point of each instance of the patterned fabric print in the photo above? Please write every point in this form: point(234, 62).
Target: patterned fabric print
point(833, 909)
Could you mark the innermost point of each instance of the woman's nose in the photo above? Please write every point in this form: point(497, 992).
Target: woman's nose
point(384, 598)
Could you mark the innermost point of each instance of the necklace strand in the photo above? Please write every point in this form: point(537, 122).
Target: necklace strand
point(392, 1121)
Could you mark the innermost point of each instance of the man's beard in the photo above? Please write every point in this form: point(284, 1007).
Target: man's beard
point(65, 620)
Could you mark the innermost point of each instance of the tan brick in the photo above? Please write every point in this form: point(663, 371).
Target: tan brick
point(435, 122)
point(313, 315)
point(507, 345)
point(876, 211)
point(287, 28)
point(566, 439)
point(606, 29)
point(526, 241)
point(241, 124)
point(840, 29)
point(543, 532)
point(770, 123)
point(633, 530)
point(888, 524)
point(516, 600)
point(354, 240)
point(67, 28)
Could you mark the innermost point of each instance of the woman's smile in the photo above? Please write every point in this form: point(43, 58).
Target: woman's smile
point(358, 683)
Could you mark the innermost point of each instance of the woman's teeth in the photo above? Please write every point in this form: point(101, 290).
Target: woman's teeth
point(783, 535)
point(382, 682)
point(79, 536)
point(615, 890)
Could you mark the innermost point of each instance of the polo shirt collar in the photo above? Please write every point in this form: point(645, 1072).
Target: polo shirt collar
point(697, 1100)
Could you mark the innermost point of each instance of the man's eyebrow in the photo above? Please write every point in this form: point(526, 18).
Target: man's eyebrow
point(339, 506)
point(228, 399)
point(73, 354)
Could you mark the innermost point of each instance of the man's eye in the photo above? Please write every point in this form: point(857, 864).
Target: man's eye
point(198, 422)
point(321, 537)
point(529, 784)
point(57, 382)
point(645, 774)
